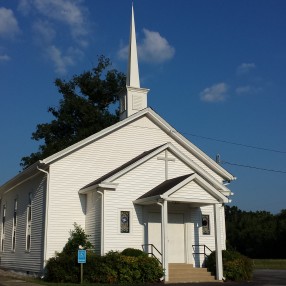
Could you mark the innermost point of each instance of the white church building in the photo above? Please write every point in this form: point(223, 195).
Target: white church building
point(138, 183)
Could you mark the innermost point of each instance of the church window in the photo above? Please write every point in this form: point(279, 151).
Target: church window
point(206, 224)
point(29, 224)
point(125, 222)
point(3, 227)
point(14, 225)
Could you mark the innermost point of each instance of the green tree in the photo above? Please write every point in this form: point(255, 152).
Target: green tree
point(86, 107)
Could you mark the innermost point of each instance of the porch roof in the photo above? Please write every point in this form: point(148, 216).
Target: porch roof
point(164, 187)
point(179, 190)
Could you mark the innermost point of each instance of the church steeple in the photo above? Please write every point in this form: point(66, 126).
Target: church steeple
point(133, 98)
point(133, 70)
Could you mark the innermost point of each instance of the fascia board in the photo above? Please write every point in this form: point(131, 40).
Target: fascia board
point(198, 169)
point(137, 163)
point(94, 137)
point(20, 178)
point(212, 191)
point(194, 201)
point(153, 116)
point(104, 185)
point(149, 199)
point(192, 148)
point(179, 186)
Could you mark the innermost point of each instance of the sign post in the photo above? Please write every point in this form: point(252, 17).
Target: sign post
point(81, 258)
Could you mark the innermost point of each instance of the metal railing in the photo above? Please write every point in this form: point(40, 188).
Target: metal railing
point(194, 246)
point(149, 248)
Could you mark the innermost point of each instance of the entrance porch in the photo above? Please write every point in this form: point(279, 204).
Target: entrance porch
point(176, 222)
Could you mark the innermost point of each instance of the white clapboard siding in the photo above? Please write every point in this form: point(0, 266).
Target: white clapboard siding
point(193, 191)
point(208, 240)
point(20, 260)
point(130, 187)
point(93, 220)
point(69, 174)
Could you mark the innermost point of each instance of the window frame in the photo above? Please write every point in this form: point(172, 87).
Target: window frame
point(3, 224)
point(29, 223)
point(130, 221)
point(14, 226)
point(209, 223)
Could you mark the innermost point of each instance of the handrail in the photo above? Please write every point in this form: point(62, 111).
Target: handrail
point(205, 247)
point(152, 251)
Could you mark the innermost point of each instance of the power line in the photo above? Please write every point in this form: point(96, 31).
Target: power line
point(253, 167)
point(220, 140)
point(237, 144)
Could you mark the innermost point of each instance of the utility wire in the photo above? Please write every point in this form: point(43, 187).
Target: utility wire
point(233, 143)
point(237, 144)
point(253, 167)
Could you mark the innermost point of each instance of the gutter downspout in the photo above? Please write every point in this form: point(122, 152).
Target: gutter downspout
point(102, 223)
point(46, 216)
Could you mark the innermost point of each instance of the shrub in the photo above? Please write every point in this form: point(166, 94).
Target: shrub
point(133, 252)
point(134, 266)
point(236, 266)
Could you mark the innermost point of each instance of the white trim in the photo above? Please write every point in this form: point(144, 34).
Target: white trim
point(150, 114)
point(154, 117)
point(219, 265)
point(177, 153)
point(104, 185)
point(195, 177)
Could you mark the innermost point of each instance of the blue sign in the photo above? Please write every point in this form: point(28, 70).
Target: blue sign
point(81, 256)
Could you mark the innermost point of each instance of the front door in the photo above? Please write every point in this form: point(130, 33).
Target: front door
point(176, 235)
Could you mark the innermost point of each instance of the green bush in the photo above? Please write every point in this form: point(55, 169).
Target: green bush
point(134, 266)
point(133, 252)
point(236, 267)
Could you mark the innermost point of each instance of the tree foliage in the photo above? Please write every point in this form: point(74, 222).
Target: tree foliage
point(257, 234)
point(84, 109)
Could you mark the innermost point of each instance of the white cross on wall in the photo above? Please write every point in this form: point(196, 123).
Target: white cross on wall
point(166, 159)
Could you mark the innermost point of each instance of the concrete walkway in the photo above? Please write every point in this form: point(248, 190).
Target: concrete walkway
point(260, 278)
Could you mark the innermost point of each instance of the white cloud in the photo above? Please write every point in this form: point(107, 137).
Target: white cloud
point(247, 89)
point(8, 23)
point(154, 48)
point(4, 58)
point(245, 68)
point(60, 60)
point(44, 31)
point(215, 93)
point(51, 19)
point(70, 13)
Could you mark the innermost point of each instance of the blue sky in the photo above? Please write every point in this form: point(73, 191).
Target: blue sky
point(215, 68)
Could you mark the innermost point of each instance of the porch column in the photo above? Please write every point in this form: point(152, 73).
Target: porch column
point(164, 230)
point(219, 266)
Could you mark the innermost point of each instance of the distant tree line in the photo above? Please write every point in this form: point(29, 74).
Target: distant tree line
point(259, 234)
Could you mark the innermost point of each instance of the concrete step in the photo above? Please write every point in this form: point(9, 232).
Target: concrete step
point(183, 273)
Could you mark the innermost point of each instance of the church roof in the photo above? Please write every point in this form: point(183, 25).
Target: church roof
point(161, 123)
point(108, 179)
point(120, 168)
point(164, 187)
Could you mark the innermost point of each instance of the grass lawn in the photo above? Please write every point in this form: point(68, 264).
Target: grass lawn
point(269, 263)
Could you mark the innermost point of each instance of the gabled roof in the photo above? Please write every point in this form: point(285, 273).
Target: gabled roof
point(166, 189)
point(155, 118)
point(140, 159)
point(150, 114)
point(120, 168)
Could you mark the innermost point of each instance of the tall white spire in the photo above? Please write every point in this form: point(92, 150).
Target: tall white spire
point(133, 98)
point(133, 70)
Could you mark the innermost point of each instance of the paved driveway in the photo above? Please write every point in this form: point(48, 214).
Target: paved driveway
point(260, 278)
